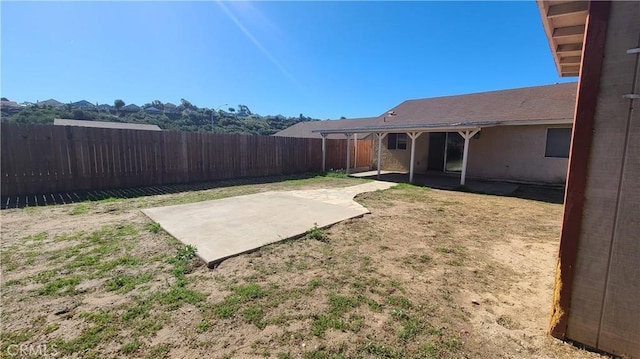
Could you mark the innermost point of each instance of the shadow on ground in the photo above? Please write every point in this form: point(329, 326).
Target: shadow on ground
point(451, 182)
point(550, 194)
point(48, 199)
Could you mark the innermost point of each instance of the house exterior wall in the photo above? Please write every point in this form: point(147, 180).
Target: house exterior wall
point(515, 153)
point(399, 160)
point(604, 312)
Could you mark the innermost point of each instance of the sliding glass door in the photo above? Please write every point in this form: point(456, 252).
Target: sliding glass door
point(454, 151)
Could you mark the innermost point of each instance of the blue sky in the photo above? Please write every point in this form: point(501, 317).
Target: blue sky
point(322, 59)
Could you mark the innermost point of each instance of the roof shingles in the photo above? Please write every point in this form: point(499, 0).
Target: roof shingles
point(539, 103)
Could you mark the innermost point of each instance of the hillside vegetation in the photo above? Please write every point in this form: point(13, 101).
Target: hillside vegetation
point(185, 117)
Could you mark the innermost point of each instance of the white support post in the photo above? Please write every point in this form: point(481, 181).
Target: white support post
point(413, 136)
point(355, 150)
point(467, 135)
point(380, 137)
point(348, 151)
point(324, 151)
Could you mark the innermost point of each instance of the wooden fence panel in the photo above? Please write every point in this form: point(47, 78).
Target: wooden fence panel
point(46, 159)
point(363, 158)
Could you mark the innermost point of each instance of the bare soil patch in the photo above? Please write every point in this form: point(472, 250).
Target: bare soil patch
point(429, 274)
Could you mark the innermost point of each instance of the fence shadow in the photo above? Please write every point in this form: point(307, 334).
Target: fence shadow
point(50, 199)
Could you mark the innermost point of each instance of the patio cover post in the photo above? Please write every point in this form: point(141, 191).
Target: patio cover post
point(380, 137)
point(467, 136)
point(324, 151)
point(355, 150)
point(413, 136)
point(348, 151)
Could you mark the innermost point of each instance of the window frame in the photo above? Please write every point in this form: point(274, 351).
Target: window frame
point(554, 154)
point(400, 141)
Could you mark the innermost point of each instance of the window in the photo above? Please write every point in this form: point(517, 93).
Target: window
point(397, 141)
point(558, 142)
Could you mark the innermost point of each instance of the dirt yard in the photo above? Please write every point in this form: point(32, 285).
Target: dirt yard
point(429, 274)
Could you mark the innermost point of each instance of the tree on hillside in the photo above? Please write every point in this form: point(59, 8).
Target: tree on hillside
point(186, 105)
point(157, 104)
point(118, 104)
point(4, 99)
point(243, 111)
point(193, 119)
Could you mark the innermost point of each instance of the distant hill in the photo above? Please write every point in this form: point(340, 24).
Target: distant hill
point(184, 117)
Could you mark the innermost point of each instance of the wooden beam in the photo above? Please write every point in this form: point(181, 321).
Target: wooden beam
point(568, 31)
point(570, 60)
point(570, 68)
point(569, 8)
point(581, 138)
point(569, 48)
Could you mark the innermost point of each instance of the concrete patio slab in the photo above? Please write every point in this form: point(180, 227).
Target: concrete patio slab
point(223, 228)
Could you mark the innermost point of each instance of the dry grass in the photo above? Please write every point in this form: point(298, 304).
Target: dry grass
point(429, 274)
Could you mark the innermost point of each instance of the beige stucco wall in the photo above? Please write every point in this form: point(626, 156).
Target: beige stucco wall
point(515, 153)
point(398, 160)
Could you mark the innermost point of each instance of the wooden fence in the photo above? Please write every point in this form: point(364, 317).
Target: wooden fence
point(49, 159)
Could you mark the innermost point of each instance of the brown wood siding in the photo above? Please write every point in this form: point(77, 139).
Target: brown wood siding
point(47, 159)
point(599, 290)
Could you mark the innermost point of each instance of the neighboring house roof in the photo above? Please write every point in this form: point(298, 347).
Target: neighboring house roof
point(152, 110)
point(50, 102)
point(305, 129)
point(103, 124)
point(82, 104)
point(8, 104)
point(131, 107)
point(104, 106)
point(550, 104)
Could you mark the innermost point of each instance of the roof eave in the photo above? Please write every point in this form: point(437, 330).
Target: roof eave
point(559, 121)
point(445, 127)
point(564, 24)
point(413, 128)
